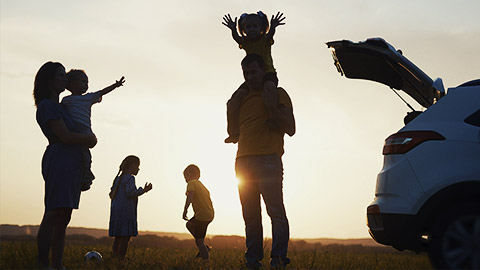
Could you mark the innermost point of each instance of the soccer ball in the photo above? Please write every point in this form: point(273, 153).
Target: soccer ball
point(93, 256)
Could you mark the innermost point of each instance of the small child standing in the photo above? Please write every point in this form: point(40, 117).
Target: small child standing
point(256, 38)
point(123, 209)
point(79, 106)
point(199, 196)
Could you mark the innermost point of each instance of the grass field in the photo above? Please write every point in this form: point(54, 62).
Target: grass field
point(22, 255)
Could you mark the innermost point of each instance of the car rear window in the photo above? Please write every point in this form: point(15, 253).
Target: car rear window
point(474, 119)
point(470, 83)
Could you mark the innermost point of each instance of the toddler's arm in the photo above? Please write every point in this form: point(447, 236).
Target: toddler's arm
point(274, 22)
point(188, 201)
point(110, 88)
point(228, 22)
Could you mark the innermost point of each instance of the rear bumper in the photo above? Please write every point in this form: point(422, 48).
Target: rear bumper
point(400, 231)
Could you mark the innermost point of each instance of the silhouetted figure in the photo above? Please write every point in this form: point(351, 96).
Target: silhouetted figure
point(199, 197)
point(256, 38)
point(79, 106)
point(258, 164)
point(61, 163)
point(123, 209)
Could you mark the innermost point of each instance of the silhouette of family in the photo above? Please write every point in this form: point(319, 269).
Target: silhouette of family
point(259, 113)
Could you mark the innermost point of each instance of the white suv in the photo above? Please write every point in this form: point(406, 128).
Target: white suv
point(427, 196)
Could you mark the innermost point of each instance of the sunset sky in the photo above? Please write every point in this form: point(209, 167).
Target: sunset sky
point(181, 66)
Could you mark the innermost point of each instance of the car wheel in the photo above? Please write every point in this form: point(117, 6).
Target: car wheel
point(455, 239)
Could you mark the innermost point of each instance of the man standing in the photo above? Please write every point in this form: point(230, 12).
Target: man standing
point(260, 118)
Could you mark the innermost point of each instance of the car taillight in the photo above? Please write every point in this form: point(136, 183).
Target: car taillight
point(373, 209)
point(404, 141)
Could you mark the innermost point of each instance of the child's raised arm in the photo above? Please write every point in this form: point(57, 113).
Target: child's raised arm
point(110, 88)
point(228, 22)
point(274, 22)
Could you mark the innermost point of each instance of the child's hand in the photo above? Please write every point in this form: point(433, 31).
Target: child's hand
point(184, 216)
point(277, 20)
point(119, 82)
point(147, 187)
point(112, 87)
point(228, 22)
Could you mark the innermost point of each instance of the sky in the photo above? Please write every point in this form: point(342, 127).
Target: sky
point(181, 66)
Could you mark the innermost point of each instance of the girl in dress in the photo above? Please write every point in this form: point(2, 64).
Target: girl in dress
point(123, 209)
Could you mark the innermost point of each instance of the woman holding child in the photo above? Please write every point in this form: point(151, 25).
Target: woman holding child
point(60, 163)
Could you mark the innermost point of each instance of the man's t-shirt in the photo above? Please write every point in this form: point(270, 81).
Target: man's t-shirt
point(256, 137)
point(202, 205)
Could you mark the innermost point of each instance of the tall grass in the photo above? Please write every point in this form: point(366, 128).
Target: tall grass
point(23, 255)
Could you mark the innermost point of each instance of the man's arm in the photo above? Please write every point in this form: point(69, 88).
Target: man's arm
point(281, 115)
point(110, 88)
point(233, 127)
point(233, 111)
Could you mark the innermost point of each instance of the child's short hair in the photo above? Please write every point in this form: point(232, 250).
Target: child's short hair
point(192, 172)
point(260, 16)
point(73, 75)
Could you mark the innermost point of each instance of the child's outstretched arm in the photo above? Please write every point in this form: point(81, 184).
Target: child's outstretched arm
point(110, 88)
point(274, 22)
point(228, 22)
point(188, 201)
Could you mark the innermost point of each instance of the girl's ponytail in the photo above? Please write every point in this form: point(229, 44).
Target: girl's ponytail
point(113, 192)
point(119, 170)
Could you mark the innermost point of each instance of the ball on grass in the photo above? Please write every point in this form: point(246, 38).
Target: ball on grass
point(93, 256)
